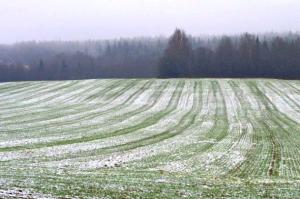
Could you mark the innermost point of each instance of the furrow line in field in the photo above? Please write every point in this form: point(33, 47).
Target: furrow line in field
point(184, 144)
point(231, 150)
point(41, 101)
point(172, 103)
point(275, 150)
point(256, 161)
point(100, 94)
point(6, 87)
point(35, 109)
point(206, 155)
point(14, 102)
point(295, 87)
point(279, 123)
point(128, 94)
point(156, 111)
point(279, 150)
point(39, 105)
point(61, 99)
point(130, 97)
point(283, 103)
point(286, 93)
point(19, 91)
point(138, 149)
point(43, 89)
point(188, 164)
point(151, 138)
point(293, 93)
point(79, 110)
point(22, 106)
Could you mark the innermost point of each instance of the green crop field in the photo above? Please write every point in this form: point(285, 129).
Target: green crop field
point(192, 138)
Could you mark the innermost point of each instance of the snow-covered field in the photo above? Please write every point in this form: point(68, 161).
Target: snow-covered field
point(209, 138)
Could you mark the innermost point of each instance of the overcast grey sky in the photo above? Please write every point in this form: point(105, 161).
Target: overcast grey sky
point(104, 19)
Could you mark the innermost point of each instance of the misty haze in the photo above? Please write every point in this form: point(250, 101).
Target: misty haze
point(149, 99)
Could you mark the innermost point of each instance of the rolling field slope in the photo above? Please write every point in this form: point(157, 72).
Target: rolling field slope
point(150, 139)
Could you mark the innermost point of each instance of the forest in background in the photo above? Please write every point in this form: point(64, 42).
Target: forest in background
point(239, 56)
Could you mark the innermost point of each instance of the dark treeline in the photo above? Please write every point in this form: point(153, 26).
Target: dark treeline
point(270, 56)
point(81, 60)
point(247, 55)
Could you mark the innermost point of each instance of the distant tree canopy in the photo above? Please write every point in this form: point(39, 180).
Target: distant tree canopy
point(246, 55)
point(177, 58)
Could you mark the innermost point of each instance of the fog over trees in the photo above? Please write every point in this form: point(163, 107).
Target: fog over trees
point(181, 55)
